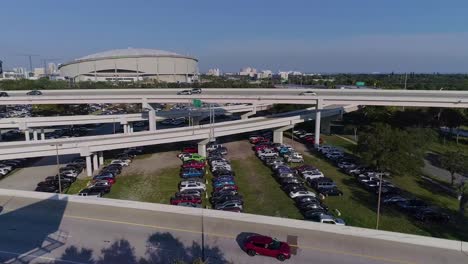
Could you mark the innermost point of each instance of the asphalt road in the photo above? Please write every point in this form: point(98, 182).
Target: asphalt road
point(248, 92)
point(36, 231)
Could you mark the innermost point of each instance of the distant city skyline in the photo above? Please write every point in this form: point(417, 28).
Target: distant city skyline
point(300, 35)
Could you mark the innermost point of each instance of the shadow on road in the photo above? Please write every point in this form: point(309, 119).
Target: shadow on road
point(32, 229)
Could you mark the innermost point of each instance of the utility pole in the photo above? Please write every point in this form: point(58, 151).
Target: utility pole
point(29, 56)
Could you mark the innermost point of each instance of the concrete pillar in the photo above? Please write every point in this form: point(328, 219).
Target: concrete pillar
point(152, 120)
point(89, 168)
point(101, 158)
point(278, 133)
point(202, 147)
point(95, 162)
point(125, 127)
point(35, 135)
point(130, 127)
point(42, 134)
point(26, 135)
point(278, 136)
point(318, 116)
point(246, 115)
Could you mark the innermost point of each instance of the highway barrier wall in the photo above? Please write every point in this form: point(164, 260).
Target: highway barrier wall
point(252, 219)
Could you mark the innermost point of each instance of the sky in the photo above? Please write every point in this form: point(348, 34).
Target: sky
point(303, 35)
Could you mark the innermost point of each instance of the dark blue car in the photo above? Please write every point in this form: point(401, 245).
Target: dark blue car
point(222, 183)
point(192, 173)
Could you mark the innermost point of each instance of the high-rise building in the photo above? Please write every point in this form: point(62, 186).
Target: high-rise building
point(248, 71)
point(214, 72)
point(39, 72)
point(51, 68)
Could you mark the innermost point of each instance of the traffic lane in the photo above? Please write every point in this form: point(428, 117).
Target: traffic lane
point(330, 92)
point(307, 241)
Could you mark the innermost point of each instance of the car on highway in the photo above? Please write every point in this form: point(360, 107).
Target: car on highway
point(185, 92)
point(267, 246)
point(4, 94)
point(196, 90)
point(34, 92)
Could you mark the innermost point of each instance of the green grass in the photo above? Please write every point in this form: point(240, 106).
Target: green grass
point(262, 194)
point(339, 142)
point(358, 206)
point(77, 186)
point(154, 188)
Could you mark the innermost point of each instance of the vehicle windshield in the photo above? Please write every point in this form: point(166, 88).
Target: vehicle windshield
point(275, 244)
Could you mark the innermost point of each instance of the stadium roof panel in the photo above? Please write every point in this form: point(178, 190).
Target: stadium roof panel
point(130, 52)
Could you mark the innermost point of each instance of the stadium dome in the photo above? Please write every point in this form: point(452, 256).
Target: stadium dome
point(132, 65)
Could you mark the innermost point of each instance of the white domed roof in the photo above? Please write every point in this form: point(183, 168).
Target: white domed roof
point(130, 52)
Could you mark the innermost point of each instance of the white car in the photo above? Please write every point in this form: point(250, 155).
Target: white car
point(213, 147)
point(301, 193)
point(120, 162)
point(184, 186)
point(310, 175)
point(6, 167)
point(308, 93)
point(295, 157)
point(69, 174)
point(268, 153)
point(4, 172)
point(222, 167)
point(220, 163)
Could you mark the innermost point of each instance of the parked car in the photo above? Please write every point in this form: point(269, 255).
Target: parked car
point(192, 173)
point(120, 162)
point(185, 199)
point(90, 192)
point(47, 188)
point(267, 246)
point(228, 204)
point(190, 149)
point(330, 191)
point(194, 156)
point(194, 164)
point(295, 157)
point(430, 215)
point(192, 186)
point(196, 193)
point(188, 204)
point(325, 218)
point(294, 194)
point(411, 205)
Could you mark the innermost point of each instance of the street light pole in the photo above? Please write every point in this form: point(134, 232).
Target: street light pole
point(58, 166)
point(378, 201)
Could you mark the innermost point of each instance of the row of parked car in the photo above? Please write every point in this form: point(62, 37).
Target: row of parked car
point(192, 173)
point(391, 195)
point(6, 166)
point(225, 195)
point(292, 180)
point(66, 176)
point(107, 177)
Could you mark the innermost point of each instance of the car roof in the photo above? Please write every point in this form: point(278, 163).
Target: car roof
point(261, 239)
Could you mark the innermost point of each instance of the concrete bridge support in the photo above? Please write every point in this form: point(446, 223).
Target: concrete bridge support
point(202, 147)
point(278, 134)
point(125, 128)
point(151, 115)
point(95, 162)
point(101, 158)
point(35, 138)
point(247, 115)
point(42, 134)
point(27, 136)
point(89, 166)
point(318, 116)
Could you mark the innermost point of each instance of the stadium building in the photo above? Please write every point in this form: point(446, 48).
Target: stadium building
point(130, 65)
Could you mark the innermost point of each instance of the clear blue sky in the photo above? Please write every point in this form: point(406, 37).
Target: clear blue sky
point(305, 35)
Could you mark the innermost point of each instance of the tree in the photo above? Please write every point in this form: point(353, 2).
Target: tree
point(393, 149)
point(454, 162)
point(452, 118)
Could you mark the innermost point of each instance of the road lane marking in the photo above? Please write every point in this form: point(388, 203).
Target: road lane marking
point(340, 252)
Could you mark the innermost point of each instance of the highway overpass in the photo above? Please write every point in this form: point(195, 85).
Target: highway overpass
point(91, 146)
point(44, 228)
point(48, 121)
point(422, 98)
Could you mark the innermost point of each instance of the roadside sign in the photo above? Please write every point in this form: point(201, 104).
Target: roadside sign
point(197, 103)
point(360, 84)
